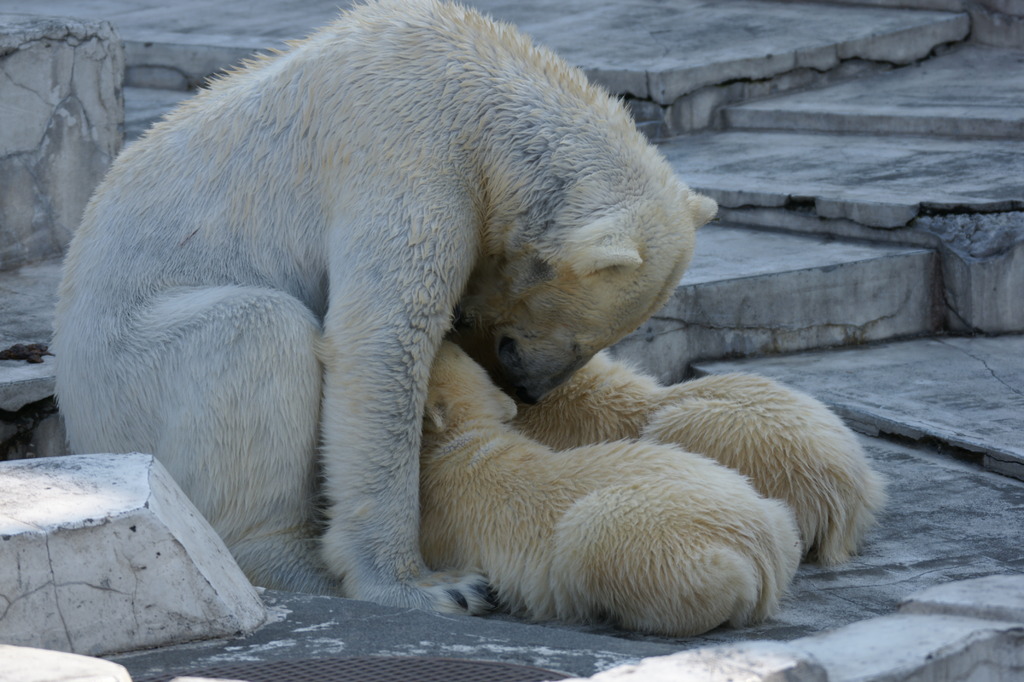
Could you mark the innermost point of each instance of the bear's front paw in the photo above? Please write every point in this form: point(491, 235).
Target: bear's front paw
point(443, 591)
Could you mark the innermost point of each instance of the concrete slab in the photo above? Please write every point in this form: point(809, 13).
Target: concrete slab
point(972, 92)
point(995, 597)
point(751, 292)
point(881, 182)
point(758, 661)
point(915, 647)
point(104, 553)
point(965, 392)
point(25, 664)
point(27, 299)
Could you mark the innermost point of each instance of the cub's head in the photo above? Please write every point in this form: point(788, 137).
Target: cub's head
point(541, 310)
point(460, 391)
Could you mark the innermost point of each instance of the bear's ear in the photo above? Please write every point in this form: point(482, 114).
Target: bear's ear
point(435, 417)
point(600, 245)
point(507, 409)
point(702, 208)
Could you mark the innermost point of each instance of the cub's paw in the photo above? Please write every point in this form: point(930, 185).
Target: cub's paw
point(459, 592)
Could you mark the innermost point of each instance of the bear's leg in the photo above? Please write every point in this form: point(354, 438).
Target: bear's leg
point(221, 384)
point(788, 444)
point(675, 557)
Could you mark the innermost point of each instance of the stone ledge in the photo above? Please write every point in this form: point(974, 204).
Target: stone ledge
point(994, 597)
point(104, 553)
point(25, 664)
point(740, 296)
point(935, 637)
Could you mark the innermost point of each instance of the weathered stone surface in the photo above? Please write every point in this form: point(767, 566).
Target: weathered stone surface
point(22, 383)
point(973, 91)
point(757, 661)
point(995, 597)
point(967, 392)
point(61, 107)
point(750, 293)
point(29, 425)
point(915, 647)
point(881, 182)
point(25, 664)
point(997, 22)
point(104, 553)
point(983, 269)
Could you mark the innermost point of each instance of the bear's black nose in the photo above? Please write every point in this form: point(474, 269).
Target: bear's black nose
point(525, 396)
point(506, 346)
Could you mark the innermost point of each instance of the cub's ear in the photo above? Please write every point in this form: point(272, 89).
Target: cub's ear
point(599, 245)
point(702, 208)
point(435, 417)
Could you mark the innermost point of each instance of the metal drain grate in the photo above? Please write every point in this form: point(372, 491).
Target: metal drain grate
point(369, 669)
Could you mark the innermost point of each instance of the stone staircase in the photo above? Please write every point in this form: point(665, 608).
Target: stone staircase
point(868, 158)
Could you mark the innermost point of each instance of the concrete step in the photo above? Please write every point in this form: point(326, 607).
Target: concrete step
point(750, 292)
point(966, 393)
point(971, 92)
point(679, 60)
point(962, 197)
point(877, 182)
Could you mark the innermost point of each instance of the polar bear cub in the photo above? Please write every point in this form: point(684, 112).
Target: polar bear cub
point(789, 445)
point(646, 536)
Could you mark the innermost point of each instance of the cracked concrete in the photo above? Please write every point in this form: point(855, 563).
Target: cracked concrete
point(871, 180)
point(60, 99)
point(971, 91)
point(105, 554)
point(750, 292)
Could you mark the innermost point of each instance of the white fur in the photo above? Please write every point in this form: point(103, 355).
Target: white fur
point(649, 537)
point(291, 242)
point(788, 444)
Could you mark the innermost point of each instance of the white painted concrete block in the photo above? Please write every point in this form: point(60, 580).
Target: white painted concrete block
point(994, 597)
point(922, 648)
point(62, 114)
point(104, 553)
point(24, 664)
point(759, 661)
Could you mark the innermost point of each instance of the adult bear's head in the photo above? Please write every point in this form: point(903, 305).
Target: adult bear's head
point(542, 308)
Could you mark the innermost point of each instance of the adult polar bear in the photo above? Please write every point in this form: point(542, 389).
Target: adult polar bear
point(292, 242)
